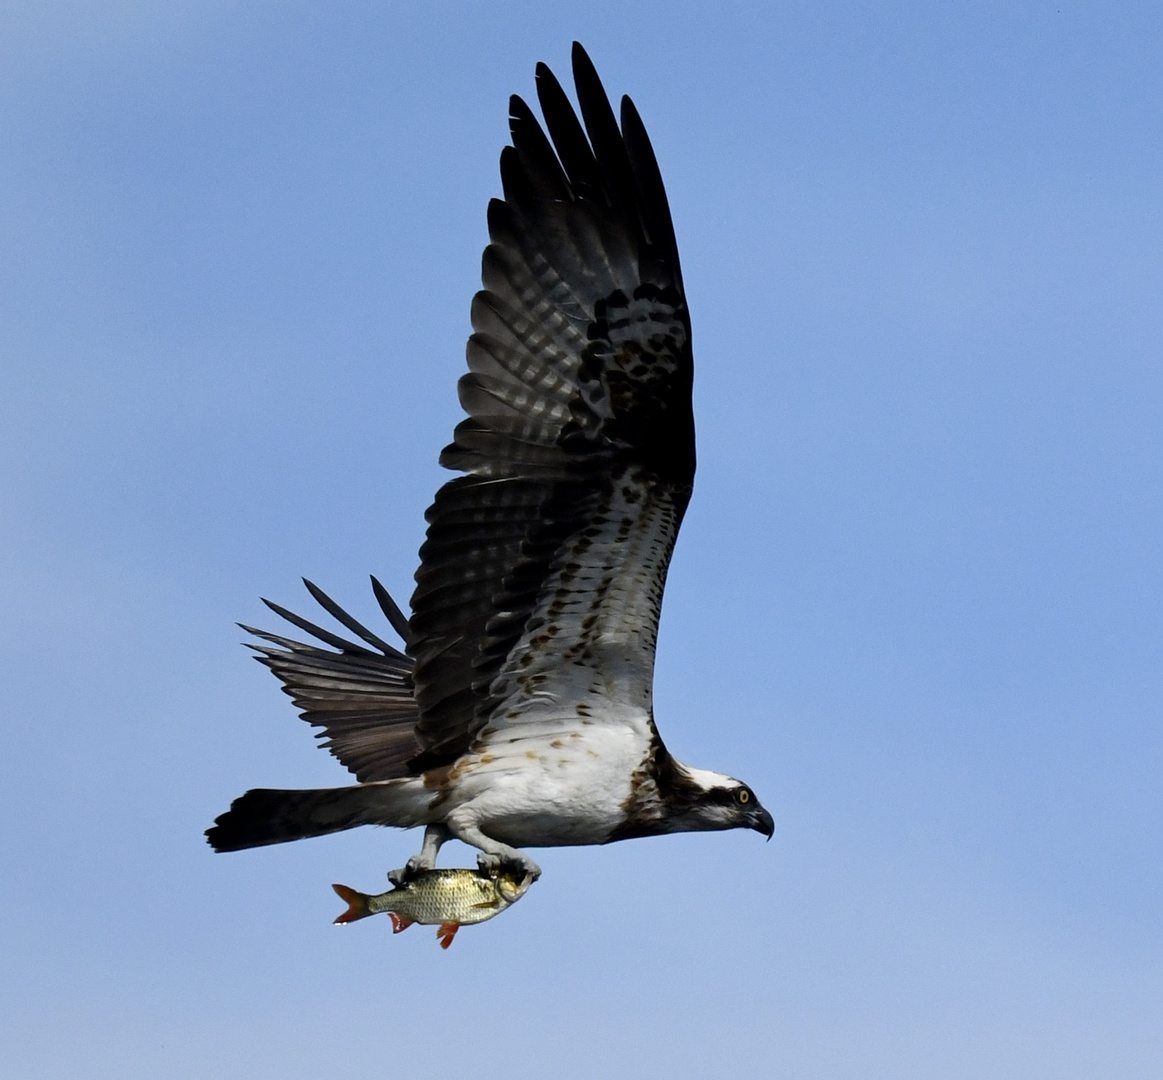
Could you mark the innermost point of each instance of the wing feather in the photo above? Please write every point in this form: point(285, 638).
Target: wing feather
point(361, 698)
point(542, 573)
point(543, 568)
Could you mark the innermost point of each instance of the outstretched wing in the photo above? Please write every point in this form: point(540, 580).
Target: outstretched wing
point(542, 574)
point(360, 697)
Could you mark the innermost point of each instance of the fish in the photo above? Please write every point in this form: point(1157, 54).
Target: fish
point(450, 898)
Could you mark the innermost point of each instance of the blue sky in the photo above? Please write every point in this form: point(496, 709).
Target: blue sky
point(916, 602)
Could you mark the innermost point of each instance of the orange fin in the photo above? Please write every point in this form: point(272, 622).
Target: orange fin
point(446, 933)
point(400, 923)
point(356, 903)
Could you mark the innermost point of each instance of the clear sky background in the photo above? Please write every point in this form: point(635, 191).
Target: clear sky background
point(917, 602)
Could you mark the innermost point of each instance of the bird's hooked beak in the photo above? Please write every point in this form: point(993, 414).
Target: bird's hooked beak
point(762, 821)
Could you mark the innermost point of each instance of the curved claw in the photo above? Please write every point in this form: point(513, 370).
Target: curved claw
point(490, 863)
point(417, 864)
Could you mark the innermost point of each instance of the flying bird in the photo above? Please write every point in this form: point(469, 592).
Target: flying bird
point(520, 712)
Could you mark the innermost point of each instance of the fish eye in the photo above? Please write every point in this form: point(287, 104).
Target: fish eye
point(743, 795)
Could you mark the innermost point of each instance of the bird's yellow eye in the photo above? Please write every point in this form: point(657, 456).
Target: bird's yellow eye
point(744, 795)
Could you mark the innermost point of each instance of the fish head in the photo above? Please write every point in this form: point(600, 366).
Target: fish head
point(512, 885)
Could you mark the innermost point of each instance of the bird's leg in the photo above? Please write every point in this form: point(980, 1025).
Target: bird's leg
point(493, 854)
point(434, 837)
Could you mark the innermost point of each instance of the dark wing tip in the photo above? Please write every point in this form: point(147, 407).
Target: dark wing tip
point(656, 206)
point(391, 610)
point(352, 624)
point(581, 61)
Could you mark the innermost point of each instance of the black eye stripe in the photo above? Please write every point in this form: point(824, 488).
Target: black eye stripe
point(722, 796)
point(740, 796)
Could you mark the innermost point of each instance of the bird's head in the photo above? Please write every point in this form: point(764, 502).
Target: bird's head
point(702, 801)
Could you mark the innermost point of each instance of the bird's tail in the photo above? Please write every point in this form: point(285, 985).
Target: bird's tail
point(269, 816)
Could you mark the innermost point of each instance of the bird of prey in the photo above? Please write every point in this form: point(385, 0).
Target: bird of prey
point(520, 713)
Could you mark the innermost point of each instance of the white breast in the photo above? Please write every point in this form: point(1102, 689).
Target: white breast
point(546, 784)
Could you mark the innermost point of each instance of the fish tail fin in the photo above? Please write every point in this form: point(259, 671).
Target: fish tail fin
point(356, 904)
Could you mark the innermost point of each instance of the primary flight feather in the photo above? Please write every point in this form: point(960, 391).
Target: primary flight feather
point(520, 713)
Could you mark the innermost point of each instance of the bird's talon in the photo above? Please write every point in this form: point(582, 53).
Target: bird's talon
point(490, 863)
point(417, 864)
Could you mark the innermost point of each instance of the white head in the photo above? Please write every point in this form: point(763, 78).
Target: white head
point(700, 800)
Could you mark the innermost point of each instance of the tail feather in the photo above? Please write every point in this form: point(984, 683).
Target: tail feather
point(270, 816)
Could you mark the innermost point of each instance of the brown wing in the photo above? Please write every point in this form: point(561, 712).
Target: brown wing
point(579, 443)
point(361, 697)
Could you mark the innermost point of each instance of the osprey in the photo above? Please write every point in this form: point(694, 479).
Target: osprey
point(520, 714)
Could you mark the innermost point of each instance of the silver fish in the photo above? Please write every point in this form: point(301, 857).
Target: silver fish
point(448, 898)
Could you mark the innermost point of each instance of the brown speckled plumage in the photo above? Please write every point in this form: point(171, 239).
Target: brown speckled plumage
point(530, 647)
